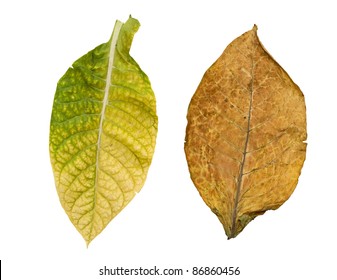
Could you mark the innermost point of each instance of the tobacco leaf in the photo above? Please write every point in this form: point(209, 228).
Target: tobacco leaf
point(245, 135)
point(102, 132)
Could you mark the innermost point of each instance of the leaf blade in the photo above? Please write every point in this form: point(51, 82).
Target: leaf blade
point(102, 133)
point(250, 116)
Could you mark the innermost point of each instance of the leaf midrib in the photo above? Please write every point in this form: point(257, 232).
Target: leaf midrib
point(241, 174)
point(113, 43)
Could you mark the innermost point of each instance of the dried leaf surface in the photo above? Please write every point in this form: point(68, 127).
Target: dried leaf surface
point(102, 132)
point(245, 134)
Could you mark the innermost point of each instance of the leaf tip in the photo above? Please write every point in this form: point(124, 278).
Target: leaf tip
point(88, 241)
point(255, 28)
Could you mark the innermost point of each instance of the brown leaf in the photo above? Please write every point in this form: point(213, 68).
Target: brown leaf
point(245, 135)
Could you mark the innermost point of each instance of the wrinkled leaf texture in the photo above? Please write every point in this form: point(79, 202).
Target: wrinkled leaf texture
point(102, 132)
point(245, 135)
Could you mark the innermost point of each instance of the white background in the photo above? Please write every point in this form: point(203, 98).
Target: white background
point(167, 224)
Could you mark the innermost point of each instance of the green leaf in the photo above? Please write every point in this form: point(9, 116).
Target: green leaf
point(102, 132)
